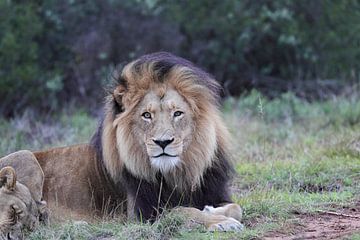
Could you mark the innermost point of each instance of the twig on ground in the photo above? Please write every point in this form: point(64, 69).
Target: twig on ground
point(338, 214)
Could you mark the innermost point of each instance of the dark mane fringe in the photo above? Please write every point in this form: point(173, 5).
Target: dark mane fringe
point(163, 62)
point(95, 141)
point(110, 196)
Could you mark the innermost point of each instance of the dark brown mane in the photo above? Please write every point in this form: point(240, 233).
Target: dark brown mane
point(164, 62)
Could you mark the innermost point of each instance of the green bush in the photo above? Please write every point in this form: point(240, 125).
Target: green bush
point(53, 53)
point(25, 79)
point(244, 41)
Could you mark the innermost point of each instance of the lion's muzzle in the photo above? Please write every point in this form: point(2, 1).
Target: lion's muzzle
point(164, 153)
point(163, 143)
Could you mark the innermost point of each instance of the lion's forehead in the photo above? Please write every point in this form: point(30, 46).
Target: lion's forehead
point(9, 200)
point(155, 102)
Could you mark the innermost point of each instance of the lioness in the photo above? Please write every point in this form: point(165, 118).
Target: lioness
point(20, 205)
point(160, 144)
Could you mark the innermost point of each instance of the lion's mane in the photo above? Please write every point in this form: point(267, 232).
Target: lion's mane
point(202, 179)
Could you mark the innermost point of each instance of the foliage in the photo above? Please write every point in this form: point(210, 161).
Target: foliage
point(19, 53)
point(289, 40)
point(289, 108)
point(53, 53)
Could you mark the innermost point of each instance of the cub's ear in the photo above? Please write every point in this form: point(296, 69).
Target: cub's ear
point(8, 178)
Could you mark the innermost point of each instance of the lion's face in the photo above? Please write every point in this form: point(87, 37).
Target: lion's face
point(164, 124)
point(162, 115)
point(18, 210)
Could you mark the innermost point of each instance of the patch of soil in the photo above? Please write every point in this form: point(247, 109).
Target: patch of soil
point(323, 225)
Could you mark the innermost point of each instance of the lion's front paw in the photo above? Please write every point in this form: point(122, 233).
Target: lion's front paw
point(229, 225)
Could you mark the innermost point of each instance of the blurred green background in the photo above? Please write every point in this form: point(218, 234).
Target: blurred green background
point(56, 54)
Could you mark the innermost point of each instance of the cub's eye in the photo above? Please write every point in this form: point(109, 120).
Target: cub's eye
point(146, 115)
point(178, 113)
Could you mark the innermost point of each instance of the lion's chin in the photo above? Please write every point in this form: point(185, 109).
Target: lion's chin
point(164, 163)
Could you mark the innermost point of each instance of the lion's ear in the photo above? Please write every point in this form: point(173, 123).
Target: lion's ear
point(8, 178)
point(119, 93)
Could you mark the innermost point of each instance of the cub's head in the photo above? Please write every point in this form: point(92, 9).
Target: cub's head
point(162, 116)
point(18, 209)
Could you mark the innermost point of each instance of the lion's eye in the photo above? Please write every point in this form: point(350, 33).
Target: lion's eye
point(146, 115)
point(178, 113)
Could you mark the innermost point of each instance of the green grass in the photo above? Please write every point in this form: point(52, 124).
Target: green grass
point(355, 236)
point(291, 157)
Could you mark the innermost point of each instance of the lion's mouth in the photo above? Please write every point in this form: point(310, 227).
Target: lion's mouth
point(165, 162)
point(164, 154)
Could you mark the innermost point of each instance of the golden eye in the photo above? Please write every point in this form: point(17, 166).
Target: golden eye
point(146, 115)
point(178, 113)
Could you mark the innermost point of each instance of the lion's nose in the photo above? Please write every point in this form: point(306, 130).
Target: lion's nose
point(163, 143)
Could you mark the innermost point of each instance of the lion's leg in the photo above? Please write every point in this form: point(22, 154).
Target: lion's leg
point(232, 210)
point(212, 221)
point(130, 211)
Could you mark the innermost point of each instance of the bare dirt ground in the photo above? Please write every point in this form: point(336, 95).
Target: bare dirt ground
point(323, 225)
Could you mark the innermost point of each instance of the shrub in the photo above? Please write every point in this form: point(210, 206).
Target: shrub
point(270, 45)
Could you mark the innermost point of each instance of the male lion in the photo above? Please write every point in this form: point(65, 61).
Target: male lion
point(161, 144)
point(20, 204)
